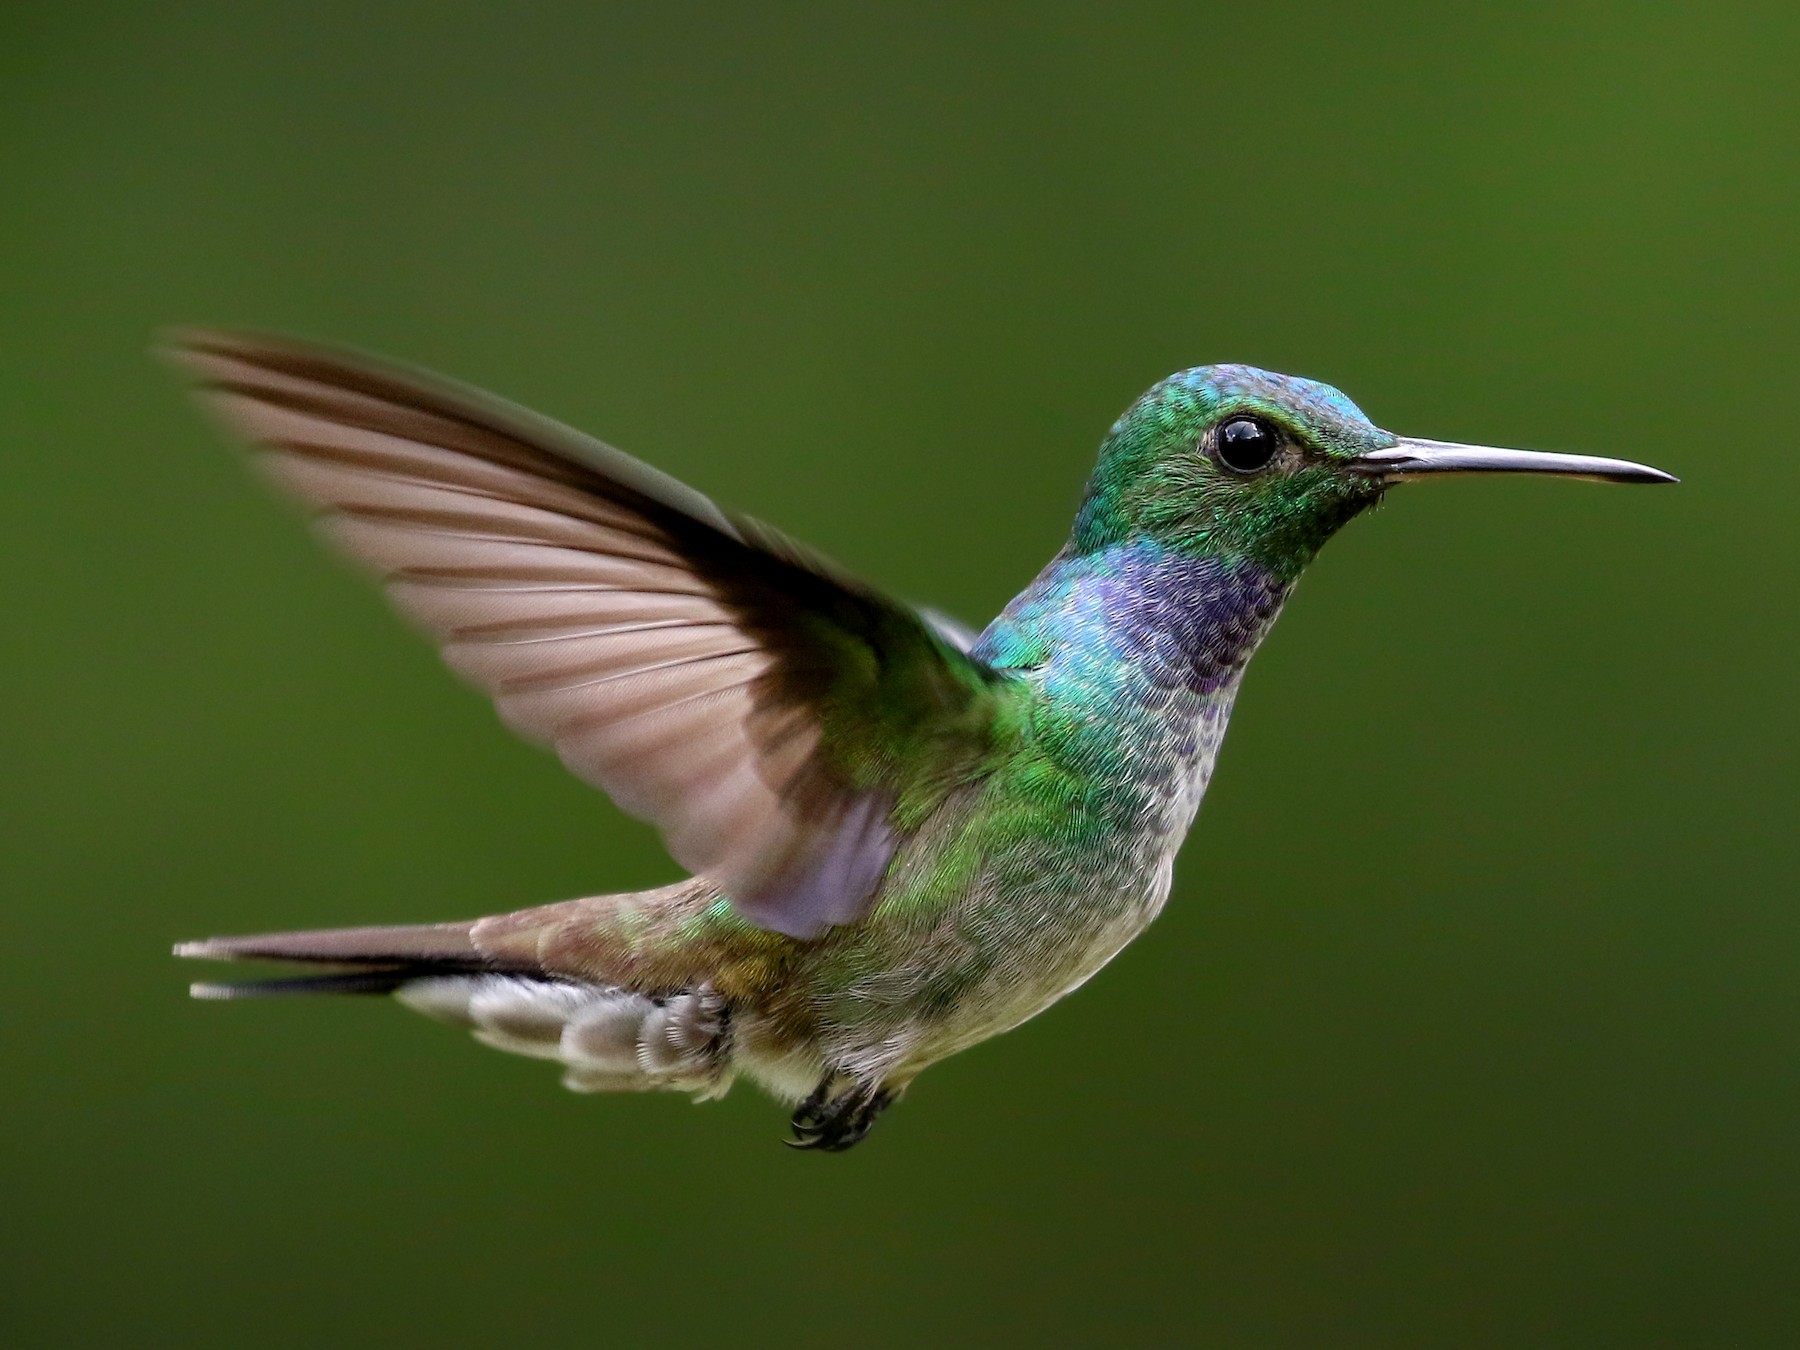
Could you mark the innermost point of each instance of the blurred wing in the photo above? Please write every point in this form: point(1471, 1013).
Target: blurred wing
point(769, 715)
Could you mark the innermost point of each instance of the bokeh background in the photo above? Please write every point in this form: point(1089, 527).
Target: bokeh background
point(1475, 1018)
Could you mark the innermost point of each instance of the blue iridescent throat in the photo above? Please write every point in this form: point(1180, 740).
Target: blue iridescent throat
point(1136, 614)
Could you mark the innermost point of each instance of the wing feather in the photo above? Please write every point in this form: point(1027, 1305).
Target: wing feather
point(768, 714)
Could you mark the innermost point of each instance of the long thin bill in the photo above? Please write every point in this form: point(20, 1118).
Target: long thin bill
point(1411, 458)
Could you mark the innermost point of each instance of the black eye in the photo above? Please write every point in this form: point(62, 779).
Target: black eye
point(1246, 444)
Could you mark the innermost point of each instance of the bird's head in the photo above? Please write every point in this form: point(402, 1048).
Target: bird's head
point(1242, 463)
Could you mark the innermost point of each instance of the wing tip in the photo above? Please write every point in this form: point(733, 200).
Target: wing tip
point(205, 354)
point(203, 359)
point(188, 346)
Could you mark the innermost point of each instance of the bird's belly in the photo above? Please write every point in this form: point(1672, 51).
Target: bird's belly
point(990, 965)
point(1065, 949)
point(1005, 956)
point(1045, 908)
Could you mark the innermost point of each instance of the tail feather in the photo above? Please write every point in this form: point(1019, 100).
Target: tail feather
point(608, 1036)
point(376, 960)
point(431, 944)
point(344, 982)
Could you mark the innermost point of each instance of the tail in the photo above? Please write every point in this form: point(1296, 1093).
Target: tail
point(608, 1037)
point(381, 959)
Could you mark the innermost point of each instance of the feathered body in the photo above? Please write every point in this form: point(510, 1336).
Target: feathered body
point(902, 846)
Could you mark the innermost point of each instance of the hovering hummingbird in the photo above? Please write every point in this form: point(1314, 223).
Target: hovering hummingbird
point(902, 838)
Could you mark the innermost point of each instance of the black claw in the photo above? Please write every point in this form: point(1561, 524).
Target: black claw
point(832, 1123)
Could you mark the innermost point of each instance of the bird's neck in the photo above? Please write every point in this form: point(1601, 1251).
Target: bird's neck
point(1137, 650)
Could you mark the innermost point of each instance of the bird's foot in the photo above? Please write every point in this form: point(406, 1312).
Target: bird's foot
point(836, 1116)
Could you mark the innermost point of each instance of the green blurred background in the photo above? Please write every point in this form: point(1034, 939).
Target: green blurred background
point(1475, 1017)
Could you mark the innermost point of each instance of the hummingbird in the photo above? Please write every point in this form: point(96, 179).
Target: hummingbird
point(901, 838)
